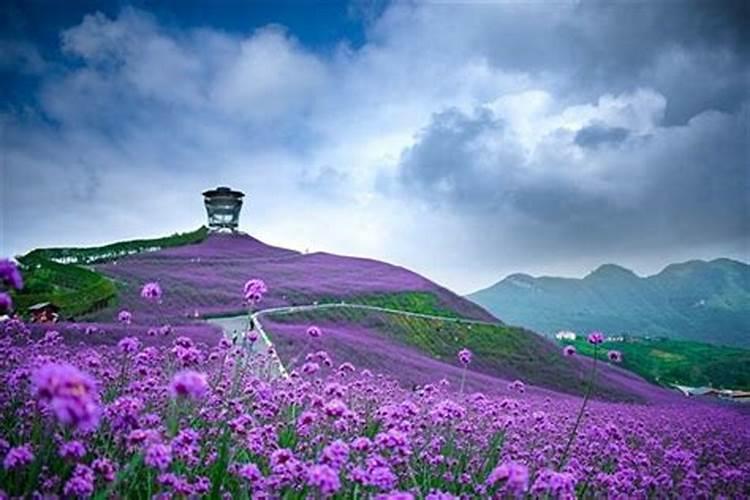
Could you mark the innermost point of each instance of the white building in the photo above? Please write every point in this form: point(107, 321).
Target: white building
point(565, 335)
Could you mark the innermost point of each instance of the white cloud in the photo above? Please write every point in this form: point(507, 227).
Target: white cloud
point(146, 116)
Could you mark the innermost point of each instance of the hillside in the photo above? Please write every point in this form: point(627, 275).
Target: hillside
point(204, 278)
point(417, 351)
point(694, 364)
point(207, 277)
point(696, 300)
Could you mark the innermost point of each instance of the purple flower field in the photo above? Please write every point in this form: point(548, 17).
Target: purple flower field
point(187, 420)
point(129, 410)
point(204, 278)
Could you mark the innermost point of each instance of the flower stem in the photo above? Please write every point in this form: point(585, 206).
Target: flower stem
point(586, 397)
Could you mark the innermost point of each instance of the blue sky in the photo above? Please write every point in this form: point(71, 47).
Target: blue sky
point(465, 141)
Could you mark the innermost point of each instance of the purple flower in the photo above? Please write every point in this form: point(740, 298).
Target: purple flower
point(190, 384)
point(10, 274)
point(439, 495)
point(81, 483)
point(511, 476)
point(129, 345)
point(104, 468)
point(158, 456)
point(69, 393)
point(6, 303)
point(250, 473)
point(151, 291)
point(596, 338)
point(614, 356)
point(556, 484)
point(335, 408)
point(464, 356)
point(569, 350)
point(124, 317)
point(254, 290)
point(335, 454)
point(517, 386)
point(72, 450)
point(18, 457)
point(382, 477)
point(314, 332)
point(325, 478)
point(309, 368)
point(395, 495)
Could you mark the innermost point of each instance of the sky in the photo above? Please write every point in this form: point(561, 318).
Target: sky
point(465, 141)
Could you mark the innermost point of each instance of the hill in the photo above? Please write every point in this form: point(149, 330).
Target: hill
point(696, 300)
point(417, 350)
point(207, 277)
point(204, 277)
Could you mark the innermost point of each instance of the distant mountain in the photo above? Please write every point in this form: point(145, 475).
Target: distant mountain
point(695, 300)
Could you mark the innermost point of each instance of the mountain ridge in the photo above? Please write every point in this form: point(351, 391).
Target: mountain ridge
point(698, 300)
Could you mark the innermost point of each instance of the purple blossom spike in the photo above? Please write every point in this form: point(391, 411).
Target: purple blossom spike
point(189, 384)
point(464, 356)
point(596, 338)
point(151, 291)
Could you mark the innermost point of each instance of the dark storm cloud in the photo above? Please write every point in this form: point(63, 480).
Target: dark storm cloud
point(672, 188)
point(446, 163)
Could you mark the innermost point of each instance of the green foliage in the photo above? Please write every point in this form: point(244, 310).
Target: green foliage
point(694, 364)
point(56, 274)
point(416, 302)
point(95, 255)
point(74, 289)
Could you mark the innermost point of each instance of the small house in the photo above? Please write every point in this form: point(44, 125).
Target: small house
point(44, 312)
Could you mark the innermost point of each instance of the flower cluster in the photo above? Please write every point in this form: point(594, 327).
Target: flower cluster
point(10, 277)
point(254, 290)
point(68, 393)
point(314, 332)
point(464, 356)
point(596, 338)
point(151, 291)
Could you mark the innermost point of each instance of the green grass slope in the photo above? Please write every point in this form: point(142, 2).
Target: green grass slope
point(112, 251)
point(57, 275)
point(694, 364)
point(76, 290)
point(696, 300)
point(499, 350)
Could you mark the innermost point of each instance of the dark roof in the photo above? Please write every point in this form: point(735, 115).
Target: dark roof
point(223, 191)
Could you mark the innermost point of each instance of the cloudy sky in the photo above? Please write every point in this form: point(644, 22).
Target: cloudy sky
point(464, 141)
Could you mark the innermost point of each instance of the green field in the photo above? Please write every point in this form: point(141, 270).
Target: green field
point(74, 289)
point(693, 364)
point(57, 275)
point(416, 302)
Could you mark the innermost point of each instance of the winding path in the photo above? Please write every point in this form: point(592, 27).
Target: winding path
point(237, 326)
